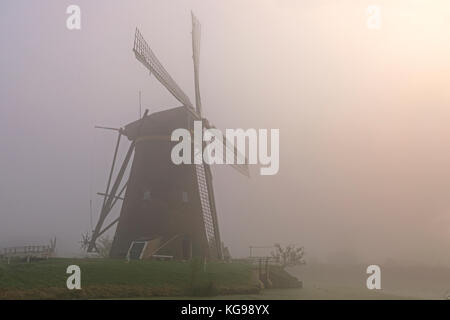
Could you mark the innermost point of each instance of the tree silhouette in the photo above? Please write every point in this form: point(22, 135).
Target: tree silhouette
point(289, 256)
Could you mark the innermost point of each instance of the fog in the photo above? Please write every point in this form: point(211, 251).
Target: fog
point(363, 117)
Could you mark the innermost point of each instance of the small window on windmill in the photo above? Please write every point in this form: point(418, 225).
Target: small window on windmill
point(136, 250)
point(184, 196)
point(147, 195)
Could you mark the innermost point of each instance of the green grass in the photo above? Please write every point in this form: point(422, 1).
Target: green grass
point(104, 278)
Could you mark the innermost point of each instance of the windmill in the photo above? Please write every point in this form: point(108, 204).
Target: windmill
point(168, 209)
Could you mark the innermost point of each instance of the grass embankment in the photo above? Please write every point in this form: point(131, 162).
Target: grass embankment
point(119, 279)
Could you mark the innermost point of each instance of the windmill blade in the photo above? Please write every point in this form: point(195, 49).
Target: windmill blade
point(242, 167)
point(146, 56)
point(196, 37)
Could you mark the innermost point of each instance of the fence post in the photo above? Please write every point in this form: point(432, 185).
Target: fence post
point(259, 268)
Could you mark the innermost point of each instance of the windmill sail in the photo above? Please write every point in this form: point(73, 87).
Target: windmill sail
point(146, 56)
point(196, 36)
point(205, 204)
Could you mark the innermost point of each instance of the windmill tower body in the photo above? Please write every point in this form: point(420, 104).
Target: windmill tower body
point(170, 204)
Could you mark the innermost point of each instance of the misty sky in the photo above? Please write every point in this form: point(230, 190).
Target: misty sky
point(363, 117)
